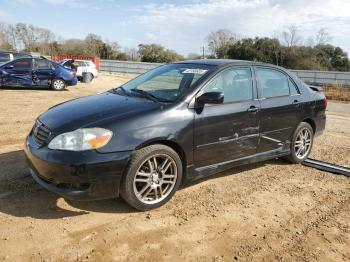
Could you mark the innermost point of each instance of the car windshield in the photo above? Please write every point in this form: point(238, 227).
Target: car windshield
point(166, 83)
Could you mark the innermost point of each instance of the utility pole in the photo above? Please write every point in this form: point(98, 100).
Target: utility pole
point(203, 52)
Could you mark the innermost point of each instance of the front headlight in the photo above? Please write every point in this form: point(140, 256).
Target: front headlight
point(82, 139)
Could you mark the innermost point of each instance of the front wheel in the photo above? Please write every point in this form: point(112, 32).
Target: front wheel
point(58, 84)
point(153, 176)
point(302, 143)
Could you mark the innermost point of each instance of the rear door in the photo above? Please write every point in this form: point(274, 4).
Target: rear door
point(43, 72)
point(280, 108)
point(18, 73)
point(227, 131)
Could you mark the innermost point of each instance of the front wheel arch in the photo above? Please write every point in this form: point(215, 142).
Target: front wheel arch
point(127, 186)
point(173, 145)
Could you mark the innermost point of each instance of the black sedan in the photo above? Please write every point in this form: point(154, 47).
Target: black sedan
point(176, 123)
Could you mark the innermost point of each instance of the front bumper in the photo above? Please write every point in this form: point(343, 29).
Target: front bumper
point(87, 175)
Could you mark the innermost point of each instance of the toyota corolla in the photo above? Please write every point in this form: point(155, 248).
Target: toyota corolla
point(176, 123)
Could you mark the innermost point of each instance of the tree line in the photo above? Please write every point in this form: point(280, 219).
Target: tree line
point(30, 38)
point(286, 49)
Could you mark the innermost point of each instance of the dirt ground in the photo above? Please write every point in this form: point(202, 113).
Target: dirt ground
point(271, 211)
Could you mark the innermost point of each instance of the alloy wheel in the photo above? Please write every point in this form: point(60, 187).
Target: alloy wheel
point(58, 84)
point(155, 179)
point(302, 144)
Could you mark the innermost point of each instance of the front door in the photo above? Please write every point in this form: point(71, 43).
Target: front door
point(227, 131)
point(280, 109)
point(18, 73)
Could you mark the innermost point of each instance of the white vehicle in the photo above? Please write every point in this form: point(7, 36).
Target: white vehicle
point(83, 66)
point(10, 56)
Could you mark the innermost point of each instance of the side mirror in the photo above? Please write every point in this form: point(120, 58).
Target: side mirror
point(9, 67)
point(211, 98)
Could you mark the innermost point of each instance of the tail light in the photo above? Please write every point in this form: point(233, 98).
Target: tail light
point(324, 101)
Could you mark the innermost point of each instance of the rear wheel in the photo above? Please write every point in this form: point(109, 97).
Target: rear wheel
point(153, 176)
point(302, 143)
point(58, 84)
point(87, 77)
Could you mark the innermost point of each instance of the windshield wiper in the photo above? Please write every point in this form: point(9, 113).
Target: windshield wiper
point(146, 94)
point(115, 90)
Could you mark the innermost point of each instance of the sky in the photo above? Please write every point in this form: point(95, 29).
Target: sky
point(181, 25)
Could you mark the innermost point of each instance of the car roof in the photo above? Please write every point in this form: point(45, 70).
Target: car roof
point(18, 53)
point(225, 62)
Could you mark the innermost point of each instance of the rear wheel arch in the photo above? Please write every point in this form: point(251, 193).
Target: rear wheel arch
point(302, 139)
point(311, 122)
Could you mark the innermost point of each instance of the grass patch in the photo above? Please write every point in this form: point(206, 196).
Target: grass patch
point(337, 92)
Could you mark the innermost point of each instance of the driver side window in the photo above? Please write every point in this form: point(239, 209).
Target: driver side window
point(235, 83)
point(21, 64)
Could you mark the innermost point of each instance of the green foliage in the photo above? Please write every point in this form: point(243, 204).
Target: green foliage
point(270, 50)
point(222, 44)
point(157, 54)
point(331, 57)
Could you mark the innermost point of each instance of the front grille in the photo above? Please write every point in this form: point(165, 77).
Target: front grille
point(41, 133)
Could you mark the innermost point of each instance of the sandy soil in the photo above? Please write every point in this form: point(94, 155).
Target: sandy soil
point(271, 211)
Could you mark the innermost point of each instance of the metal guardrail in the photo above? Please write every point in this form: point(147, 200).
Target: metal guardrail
point(323, 77)
point(116, 66)
point(308, 76)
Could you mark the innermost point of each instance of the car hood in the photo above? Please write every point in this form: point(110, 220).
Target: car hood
point(92, 110)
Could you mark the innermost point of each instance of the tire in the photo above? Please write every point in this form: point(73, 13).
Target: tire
point(87, 77)
point(146, 185)
point(297, 156)
point(58, 84)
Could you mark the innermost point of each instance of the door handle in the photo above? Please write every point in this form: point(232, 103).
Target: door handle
point(296, 103)
point(253, 109)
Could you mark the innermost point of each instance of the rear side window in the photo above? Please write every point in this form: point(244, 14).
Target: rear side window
point(293, 89)
point(235, 83)
point(21, 64)
point(80, 63)
point(42, 64)
point(272, 83)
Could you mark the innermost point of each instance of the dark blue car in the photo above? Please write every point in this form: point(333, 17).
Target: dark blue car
point(36, 72)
